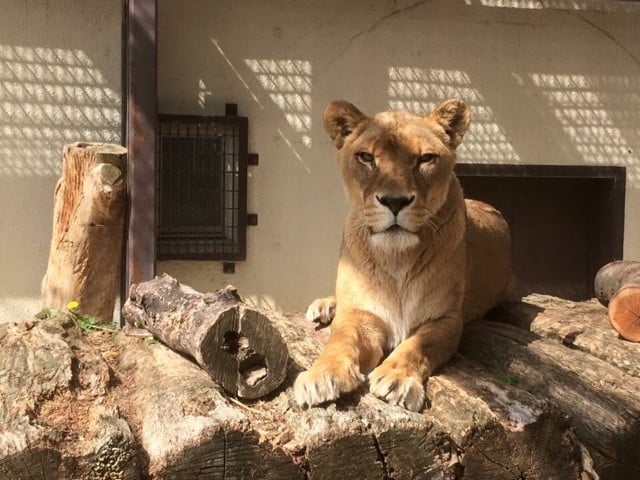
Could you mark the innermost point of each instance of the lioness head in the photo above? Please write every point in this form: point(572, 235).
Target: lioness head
point(397, 167)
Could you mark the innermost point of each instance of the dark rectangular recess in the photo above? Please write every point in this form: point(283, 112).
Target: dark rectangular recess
point(202, 187)
point(565, 221)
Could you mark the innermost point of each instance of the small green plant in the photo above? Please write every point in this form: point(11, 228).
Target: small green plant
point(87, 323)
point(508, 378)
point(47, 313)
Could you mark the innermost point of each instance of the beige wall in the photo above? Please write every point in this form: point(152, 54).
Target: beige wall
point(547, 86)
point(59, 83)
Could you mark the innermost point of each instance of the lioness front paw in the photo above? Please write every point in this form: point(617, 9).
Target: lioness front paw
point(396, 386)
point(322, 310)
point(322, 384)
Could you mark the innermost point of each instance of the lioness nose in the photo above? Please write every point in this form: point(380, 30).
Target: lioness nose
point(395, 204)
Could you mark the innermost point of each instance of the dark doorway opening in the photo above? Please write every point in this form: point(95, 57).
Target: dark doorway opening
point(566, 221)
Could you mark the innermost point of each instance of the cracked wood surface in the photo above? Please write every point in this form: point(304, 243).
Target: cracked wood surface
point(88, 226)
point(570, 355)
point(57, 420)
point(526, 397)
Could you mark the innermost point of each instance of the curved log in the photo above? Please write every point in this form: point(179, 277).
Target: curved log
point(601, 399)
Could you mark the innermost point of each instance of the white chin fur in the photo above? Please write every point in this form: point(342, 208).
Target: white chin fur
point(394, 240)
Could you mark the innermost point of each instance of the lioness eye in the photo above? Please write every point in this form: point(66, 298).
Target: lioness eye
point(427, 158)
point(365, 157)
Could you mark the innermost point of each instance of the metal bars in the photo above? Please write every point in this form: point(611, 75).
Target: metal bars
point(201, 187)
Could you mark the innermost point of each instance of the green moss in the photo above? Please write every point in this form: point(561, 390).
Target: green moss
point(508, 378)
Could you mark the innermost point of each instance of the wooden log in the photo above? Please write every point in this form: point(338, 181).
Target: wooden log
point(241, 348)
point(476, 425)
point(580, 326)
point(624, 312)
point(614, 276)
point(600, 398)
point(61, 385)
point(617, 285)
point(88, 222)
point(55, 422)
point(186, 426)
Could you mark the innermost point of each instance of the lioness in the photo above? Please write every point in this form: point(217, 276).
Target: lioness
point(417, 260)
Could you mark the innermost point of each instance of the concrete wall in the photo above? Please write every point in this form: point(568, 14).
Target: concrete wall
point(59, 83)
point(547, 86)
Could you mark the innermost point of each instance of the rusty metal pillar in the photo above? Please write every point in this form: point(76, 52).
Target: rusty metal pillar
point(140, 95)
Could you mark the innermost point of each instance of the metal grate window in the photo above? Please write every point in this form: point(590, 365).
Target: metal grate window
point(202, 187)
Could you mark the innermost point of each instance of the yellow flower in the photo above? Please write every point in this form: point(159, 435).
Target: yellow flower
point(72, 305)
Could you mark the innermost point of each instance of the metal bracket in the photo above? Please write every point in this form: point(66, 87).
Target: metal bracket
point(231, 109)
point(253, 159)
point(252, 219)
point(228, 267)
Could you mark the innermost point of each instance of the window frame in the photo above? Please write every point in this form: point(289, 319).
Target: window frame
point(230, 250)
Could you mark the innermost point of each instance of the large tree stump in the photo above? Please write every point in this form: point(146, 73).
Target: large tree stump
point(88, 223)
point(240, 347)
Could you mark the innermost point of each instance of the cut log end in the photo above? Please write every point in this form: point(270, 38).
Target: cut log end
point(624, 313)
point(97, 147)
point(245, 354)
point(613, 277)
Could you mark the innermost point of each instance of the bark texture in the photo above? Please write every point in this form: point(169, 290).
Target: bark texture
point(241, 348)
point(543, 389)
point(88, 222)
point(614, 276)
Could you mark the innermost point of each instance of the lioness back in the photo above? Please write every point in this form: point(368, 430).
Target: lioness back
point(489, 277)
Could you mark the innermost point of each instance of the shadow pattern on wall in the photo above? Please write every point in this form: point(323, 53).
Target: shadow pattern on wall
point(49, 97)
point(598, 114)
point(419, 90)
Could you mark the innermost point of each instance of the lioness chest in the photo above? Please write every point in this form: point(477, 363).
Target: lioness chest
point(403, 300)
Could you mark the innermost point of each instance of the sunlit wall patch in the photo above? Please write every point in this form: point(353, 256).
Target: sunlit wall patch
point(49, 97)
point(419, 90)
point(597, 114)
point(288, 84)
point(597, 5)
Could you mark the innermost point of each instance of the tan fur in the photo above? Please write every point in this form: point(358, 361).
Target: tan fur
point(404, 292)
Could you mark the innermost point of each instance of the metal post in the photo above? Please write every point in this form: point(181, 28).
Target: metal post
point(140, 97)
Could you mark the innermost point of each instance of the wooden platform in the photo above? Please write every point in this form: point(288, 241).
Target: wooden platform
point(541, 389)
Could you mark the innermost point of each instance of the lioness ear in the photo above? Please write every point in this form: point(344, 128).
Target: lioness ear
point(454, 116)
point(339, 119)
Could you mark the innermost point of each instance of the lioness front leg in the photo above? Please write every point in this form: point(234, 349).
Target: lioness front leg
point(354, 349)
point(400, 379)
